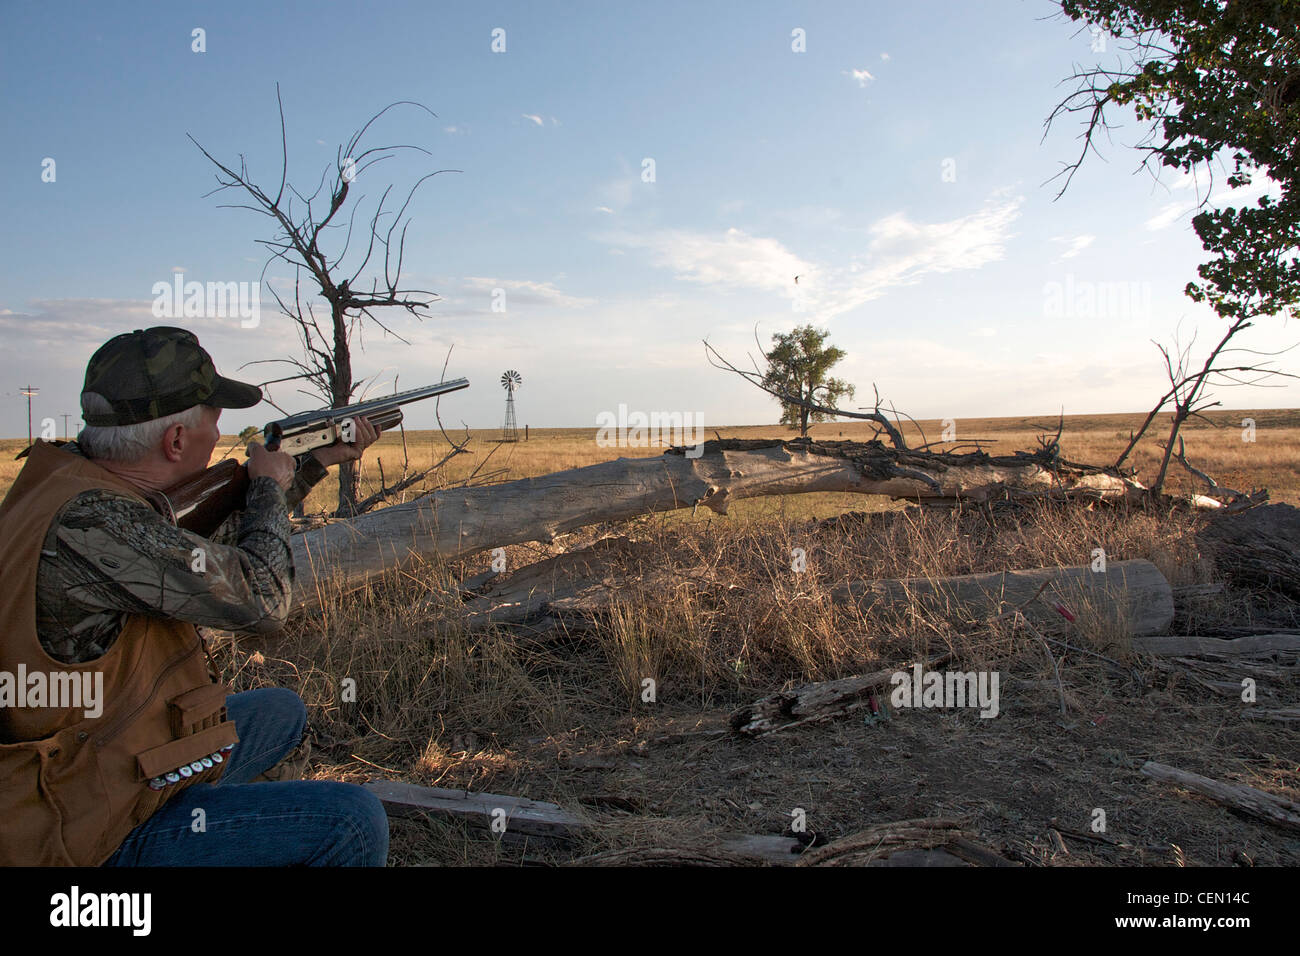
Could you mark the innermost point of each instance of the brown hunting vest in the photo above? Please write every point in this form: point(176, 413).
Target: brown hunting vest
point(71, 787)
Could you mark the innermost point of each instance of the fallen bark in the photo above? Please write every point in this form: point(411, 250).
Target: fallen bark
point(1264, 806)
point(817, 702)
point(461, 521)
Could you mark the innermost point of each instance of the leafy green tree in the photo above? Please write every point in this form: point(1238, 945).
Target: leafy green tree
point(1218, 81)
point(797, 369)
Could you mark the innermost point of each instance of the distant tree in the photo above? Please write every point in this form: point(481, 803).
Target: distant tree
point(249, 433)
point(797, 367)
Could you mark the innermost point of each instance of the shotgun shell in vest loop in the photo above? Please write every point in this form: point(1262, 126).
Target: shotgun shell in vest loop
point(196, 767)
point(227, 748)
point(172, 777)
point(206, 761)
point(185, 771)
point(217, 758)
point(157, 783)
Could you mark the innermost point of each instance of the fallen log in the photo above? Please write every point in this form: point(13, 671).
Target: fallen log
point(816, 702)
point(573, 587)
point(460, 521)
point(1264, 806)
point(1257, 645)
point(1132, 596)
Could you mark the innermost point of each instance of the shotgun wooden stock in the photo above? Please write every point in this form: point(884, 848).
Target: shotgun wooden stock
point(203, 502)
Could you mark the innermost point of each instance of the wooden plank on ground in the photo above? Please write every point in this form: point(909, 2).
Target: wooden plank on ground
point(1255, 645)
point(535, 818)
point(1276, 810)
point(522, 816)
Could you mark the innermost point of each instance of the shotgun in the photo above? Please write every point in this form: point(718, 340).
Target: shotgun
point(200, 504)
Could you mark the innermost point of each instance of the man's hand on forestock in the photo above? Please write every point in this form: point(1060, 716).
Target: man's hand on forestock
point(364, 435)
point(270, 464)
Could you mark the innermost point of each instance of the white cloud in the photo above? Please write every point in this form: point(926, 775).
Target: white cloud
point(901, 252)
point(604, 209)
point(734, 259)
point(536, 119)
point(1075, 244)
point(862, 76)
point(987, 332)
point(885, 57)
point(523, 290)
point(1167, 216)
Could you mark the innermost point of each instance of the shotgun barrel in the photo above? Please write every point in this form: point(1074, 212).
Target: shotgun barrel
point(201, 503)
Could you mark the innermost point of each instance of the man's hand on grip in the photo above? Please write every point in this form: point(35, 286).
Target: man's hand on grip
point(271, 464)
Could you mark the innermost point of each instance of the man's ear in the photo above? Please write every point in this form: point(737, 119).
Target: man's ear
point(173, 448)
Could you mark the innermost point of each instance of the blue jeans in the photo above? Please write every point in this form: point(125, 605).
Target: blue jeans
point(293, 823)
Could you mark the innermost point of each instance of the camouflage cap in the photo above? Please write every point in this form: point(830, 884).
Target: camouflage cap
point(150, 373)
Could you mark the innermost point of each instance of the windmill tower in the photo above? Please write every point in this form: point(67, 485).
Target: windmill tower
point(510, 381)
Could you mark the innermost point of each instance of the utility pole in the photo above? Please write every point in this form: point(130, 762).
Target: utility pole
point(29, 391)
point(66, 416)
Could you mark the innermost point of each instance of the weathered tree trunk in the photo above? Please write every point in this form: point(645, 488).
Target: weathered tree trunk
point(461, 521)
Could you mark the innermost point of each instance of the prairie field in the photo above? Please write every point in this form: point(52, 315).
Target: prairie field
point(559, 714)
point(1270, 459)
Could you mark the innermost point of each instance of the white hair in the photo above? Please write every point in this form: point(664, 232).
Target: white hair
point(128, 443)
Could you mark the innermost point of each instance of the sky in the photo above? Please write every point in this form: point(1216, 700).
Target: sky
point(615, 184)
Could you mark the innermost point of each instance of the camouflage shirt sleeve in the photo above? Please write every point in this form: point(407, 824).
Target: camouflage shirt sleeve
point(308, 473)
point(107, 555)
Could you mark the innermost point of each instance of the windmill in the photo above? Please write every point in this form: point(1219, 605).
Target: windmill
point(510, 381)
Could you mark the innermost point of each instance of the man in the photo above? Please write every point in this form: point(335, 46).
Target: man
point(143, 759)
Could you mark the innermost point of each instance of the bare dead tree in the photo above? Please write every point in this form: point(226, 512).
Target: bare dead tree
point(327, 362)
point(1189, 394)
